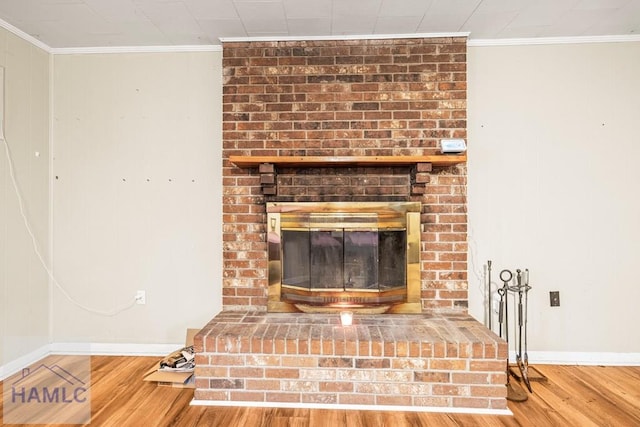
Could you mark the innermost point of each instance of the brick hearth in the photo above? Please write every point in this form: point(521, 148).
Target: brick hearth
point(420, 361)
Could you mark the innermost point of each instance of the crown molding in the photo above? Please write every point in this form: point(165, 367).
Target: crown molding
point(218, 48)
point(18, 32)
point(135, 49)
point(553, 40)
point(106, 49)
point(342, 37)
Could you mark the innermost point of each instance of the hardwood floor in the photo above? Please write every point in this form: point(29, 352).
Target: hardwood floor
point(573, 396)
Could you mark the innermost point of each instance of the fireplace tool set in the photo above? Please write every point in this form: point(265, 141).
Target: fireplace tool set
point(517, 284)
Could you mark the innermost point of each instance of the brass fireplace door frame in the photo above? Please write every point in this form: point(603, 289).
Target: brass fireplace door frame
point(387, 215)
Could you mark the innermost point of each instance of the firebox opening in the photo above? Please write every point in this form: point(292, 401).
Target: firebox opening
point(329, 256)
point(343, 260)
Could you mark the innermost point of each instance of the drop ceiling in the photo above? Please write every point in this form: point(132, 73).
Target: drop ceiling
point(60, 24)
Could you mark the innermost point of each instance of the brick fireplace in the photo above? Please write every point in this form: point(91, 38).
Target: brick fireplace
point(337, 99)
point(345, 98)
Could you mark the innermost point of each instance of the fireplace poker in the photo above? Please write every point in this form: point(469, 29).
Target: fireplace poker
point(523, 369)
point(526, 315)
point(513, 393)
point(501, 292)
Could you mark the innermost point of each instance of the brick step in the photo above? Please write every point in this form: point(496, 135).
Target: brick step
point(416, 360)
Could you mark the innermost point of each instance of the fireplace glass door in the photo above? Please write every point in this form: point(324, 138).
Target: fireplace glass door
point(331, 255)
point(344, 259)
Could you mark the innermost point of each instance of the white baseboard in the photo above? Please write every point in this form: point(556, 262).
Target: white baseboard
point(388, 408)
point(89, 349)
point(582, 358)
point(22, 362)
point(124, 349)
point(114, 349)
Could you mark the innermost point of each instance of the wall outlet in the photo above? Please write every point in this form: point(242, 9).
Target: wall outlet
point(141, 297)
point(554, 298)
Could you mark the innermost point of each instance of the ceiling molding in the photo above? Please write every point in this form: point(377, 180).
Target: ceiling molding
point(136, 49)
point(218, 48)
point(26, 37)
point(108, 49)
point(342, 37)
point(553, 40)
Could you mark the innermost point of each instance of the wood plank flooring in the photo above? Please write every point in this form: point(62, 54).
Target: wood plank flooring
point(573, 396)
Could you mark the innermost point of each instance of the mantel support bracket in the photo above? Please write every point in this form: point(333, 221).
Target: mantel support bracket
point(268, 180)
point(420, 177)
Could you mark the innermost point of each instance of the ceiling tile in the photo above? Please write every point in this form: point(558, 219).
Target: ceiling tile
point(212, 9)
point(91, 23)
point(453, 7)
point(305, 9)
point(113, 34)
point(254, 25)
point(175, 21)
point(47, 32)
point(514, 32)
point(543, 12)
point(217, 28)
point(397, 24)
point(309, 27)
point(259, 10)
point(134, 37)
point(442, 23)
point(404, 7)
point(499, 6)
point(346, 25)
point(447, 15)
point(34, 10)
point(271, 34)
point(488, 25)
point(625, 20)
point(600, 4)
point(116, 10)
point(356, 8)
point(574, 22)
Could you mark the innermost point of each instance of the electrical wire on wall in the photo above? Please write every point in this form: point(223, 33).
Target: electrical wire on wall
point(34, 241)
point(479, 274)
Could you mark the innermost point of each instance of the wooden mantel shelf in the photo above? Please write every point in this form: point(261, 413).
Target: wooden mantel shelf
point(346, 161)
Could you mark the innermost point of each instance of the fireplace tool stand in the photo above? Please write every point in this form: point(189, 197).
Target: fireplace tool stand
point(522, 371)
point(521, 289)
point(517, 285)
point(514, 391)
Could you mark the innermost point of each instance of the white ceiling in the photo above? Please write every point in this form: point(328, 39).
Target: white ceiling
point(106, 23)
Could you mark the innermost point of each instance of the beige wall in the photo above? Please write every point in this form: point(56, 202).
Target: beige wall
point(548, 191)
point(24, 293)
point(137, 194)
point(553, 154)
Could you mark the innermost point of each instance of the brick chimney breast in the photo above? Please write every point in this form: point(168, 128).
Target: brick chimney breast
point(388, 97)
